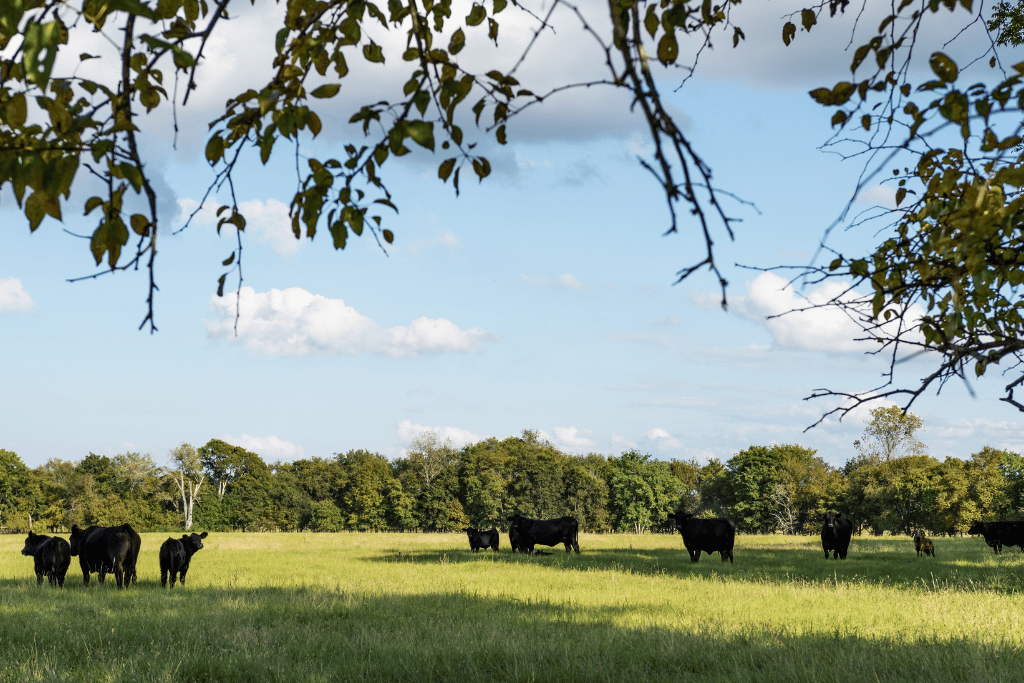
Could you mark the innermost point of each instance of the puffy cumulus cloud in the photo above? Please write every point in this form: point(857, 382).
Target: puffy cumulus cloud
point(662, 440)
point(571, 438)
point(564, 280)
point(269, 448)
point(620, 441)
point(13, 296)
point(268, 222)
point(787, 315)
point(294, 322)
point(407, 431)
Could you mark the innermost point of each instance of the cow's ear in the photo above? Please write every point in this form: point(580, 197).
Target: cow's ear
point(202, 535)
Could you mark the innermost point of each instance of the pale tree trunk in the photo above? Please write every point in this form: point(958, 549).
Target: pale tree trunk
point(189, 478)
point(189, 491)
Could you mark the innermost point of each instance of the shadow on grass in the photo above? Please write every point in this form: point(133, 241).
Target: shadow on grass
point(277, 634)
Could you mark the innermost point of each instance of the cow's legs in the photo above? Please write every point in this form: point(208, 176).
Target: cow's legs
point(694, 555)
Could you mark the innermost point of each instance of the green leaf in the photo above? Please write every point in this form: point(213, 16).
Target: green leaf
point(389, 236)
point(229, 260)
point(944, 67)
point(445, 169)
point(326, 91)
point(39, 40)
point(457, 42)
point(808, 19)
point(788, 32)
point(214, 149)
point(421, 132)
point(373, 53)
point(476, 15)
point(499, 5)
point(668, 49)
point(220, 284)
point(500, 134)
point(133, 7)
point(822, 96)
point(140, 224)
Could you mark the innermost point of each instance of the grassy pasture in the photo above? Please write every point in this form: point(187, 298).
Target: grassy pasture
point(421, 607)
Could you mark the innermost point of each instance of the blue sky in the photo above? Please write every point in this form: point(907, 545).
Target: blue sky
point(542, 298)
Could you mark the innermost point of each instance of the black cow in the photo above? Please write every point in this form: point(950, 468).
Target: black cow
point(707, 535)
point(103, 549)
point(52, 556)
point(998, 534)
point(482, 539)
point(835, 536)
point(175, 555)
point(525, 533)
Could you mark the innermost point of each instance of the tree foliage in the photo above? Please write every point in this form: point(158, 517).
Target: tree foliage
point(891, 433)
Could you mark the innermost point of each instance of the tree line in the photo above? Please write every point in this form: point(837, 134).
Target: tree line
point(889, 486)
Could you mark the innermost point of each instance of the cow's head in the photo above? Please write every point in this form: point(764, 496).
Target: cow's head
point(32, 542)
point(976, 528)
point(679, 519)
point(830, 521)
point(193, 542)
point(76, 538)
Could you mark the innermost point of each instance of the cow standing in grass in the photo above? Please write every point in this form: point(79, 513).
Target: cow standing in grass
point(176, 554)
point(706, 535)
point(103, 549)
point(52, 557)
point(923, 545)
point(482, 539)
point(835, 536)
point(525, 533)
point(998, 534)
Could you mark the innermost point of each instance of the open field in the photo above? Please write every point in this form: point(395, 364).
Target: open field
point(420, 607)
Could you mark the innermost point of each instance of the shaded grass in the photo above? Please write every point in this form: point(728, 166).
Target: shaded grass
point(303, 607)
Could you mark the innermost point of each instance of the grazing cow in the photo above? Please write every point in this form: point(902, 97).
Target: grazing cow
point(524, 533)
point(998, 534)
point(52, 557)
point(923, 545)
point(482, 539)
point(175, 555)
point(707, 535)
point(106, 549)
point(835, 536)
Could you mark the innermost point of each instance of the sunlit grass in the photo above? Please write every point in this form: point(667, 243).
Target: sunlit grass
point(268, 607)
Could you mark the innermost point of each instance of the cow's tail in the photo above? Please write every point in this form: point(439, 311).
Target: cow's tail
point(576, 536)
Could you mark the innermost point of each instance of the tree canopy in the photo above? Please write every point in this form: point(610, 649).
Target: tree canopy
point(945, 278)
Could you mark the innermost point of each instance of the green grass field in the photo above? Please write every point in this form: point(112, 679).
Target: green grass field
point(421, 607)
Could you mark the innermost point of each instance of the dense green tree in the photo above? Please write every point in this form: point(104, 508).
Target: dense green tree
point(324, 516)
point(586, 492)
point(224, 463)
point(13, 483)
point(752, 477)
point(366, 480)
point(891, 433)
point(482, 473)
point(641, 491)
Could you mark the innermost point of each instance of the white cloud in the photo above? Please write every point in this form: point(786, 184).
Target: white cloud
point(772, 301)
point(294, 322)
point(564, 280)
point(572, 439)
point(266, 222)
point(662, 440)
point(269, 448)
point(446, 240)
point(621, 441)
point(13, 296)
point(407, 431)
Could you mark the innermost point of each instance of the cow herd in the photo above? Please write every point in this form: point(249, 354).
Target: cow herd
point(719, 535)
point(115, 550)
point(107, 549)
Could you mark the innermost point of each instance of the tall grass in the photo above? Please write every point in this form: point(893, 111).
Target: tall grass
point(418, 607)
